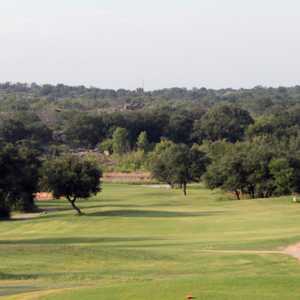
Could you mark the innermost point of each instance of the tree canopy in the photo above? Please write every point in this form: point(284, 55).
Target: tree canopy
point(72, 177)
point(177, 164)
point(19, 168)
point(227, 122)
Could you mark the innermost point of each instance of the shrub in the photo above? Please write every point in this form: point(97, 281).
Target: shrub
point(133, 161)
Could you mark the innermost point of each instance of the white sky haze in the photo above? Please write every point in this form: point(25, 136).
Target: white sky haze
point(120, 43)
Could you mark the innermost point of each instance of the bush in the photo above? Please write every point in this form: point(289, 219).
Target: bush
point(106, 145)
point(133, 161)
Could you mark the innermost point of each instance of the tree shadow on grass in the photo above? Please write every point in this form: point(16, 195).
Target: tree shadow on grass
point(86, 206)
point(152, 214)
point(13, 290)
point(76, 240)
point(83, 206)
point(5, 276)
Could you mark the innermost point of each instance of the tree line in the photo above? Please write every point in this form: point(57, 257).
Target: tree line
point(224, 145)
point(47, 99)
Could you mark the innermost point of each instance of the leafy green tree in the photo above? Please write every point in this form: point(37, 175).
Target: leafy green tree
point(263, 127)
point(72, 177)
point(142, 142)
point(85, 131)
point(228, 172)
point(25, 127)
point(223, 121)
point(198, 162)
point(179, 126)
point(260, 181)
point(37, 130)
point(28, 177)
point(12, 131)
point(177, 164)
point(283, 175)
point(120, 141)
point(132, 161)
point(169, 164)
point(272, 127)
point(19, 168)
point(106, 145)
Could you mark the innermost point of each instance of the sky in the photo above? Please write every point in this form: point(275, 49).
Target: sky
point(151, 43)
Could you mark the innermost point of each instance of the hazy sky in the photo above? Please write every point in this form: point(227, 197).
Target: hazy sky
point(121, 43)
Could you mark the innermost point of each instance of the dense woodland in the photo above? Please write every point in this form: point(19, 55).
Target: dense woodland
point(244, 141)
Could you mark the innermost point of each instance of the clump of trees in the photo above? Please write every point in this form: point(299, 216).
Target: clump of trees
point(259, 168)
point(224, 121)
point(24, 173)
point(25, 126)
point(84, 131)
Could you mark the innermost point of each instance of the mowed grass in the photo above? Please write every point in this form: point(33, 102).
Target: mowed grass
point(139, 242)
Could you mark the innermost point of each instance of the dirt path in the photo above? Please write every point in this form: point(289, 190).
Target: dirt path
point(243, 251)
point(23, 216)
point(157, 186)
point(293, 250)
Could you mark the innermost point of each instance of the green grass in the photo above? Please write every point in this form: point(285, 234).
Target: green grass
point(138, 242)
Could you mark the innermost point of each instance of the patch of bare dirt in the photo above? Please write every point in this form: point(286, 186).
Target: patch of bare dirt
point(293, 250)
point(242, 251)
point(133, 177)
point(158, 186)
point(44, 196)
point(27, 216)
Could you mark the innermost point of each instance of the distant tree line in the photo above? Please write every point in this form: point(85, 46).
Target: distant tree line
point(47, 98)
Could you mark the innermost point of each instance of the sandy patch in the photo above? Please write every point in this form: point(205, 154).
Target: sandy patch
point(293, 250)
point(157, 186)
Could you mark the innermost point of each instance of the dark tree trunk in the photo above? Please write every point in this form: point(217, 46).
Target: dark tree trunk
point(27, 203)
point(72, 202)
point(252, 192)
point(5, 207)
point(171, 185)
point(184, 188)
point(237, 193)
point(270, 193)
point(4, 212)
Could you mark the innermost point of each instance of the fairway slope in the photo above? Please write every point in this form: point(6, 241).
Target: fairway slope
point(139, 243)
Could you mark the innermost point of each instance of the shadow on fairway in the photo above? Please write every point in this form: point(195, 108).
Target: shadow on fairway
point(4, 276)
point(76, 240)
point(13, 290)
point(152, 214)
point(50, 209)
point(49, 213)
